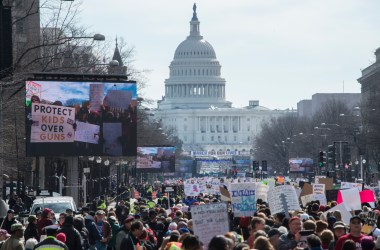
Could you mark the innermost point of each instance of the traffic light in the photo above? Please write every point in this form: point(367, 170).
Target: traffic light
point(321, 159)
point(255, 165)
point(264, 166)
point(346, 155)
point(331, 151)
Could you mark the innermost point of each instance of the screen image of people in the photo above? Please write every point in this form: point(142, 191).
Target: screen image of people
point(161, 159)
point(81, 118)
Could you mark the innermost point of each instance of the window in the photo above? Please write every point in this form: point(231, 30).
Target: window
point(212, 138)
point(203, 138)
point(234, 137)
point(248, 138)
point(185, 127)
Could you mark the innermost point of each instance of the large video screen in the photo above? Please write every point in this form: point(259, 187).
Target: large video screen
point(303, 165)
point(156, 159)
point(81, 118)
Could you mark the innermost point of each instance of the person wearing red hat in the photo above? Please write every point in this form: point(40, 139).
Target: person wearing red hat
point(291, 239)
point(45, 220)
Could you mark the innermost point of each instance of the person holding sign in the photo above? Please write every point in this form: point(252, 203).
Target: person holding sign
point(291, 239)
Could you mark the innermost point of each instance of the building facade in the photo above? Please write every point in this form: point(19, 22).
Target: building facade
point(195, 105)
point(308, 108)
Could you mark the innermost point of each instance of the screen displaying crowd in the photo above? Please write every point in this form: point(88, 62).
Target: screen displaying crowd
point(156, 159)
point(81, 118)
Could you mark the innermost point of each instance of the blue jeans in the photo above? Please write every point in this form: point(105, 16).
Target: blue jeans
point(100, 246)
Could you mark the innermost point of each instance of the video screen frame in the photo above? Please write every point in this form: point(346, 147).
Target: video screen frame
point(156, 159)
point(81, 118)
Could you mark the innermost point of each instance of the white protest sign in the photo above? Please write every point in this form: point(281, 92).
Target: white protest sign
point(281, 196)
point(261, 191)
point(243, 199)
point(346, 215)
point(87, 132)
point(191, 189)
point(111, 134)
point(118, 99)
point(321, 198)
point(358, 186)
point(32, 89)
point(351, 198)
point(209, 220)
point(306, 199)
point(271, 184)
point(96, 96)
point(318, 188)
point(52, 123)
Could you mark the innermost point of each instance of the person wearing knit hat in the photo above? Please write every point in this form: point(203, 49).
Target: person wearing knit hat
point(16, 241)
point(172, 226)
point(291, 239)
point(61, 237)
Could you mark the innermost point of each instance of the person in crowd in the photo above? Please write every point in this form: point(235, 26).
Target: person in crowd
point(263, 243)
point(79, 225)
point(257, 223)
point(220, 242)
point(51, 241)
point(290, 239)
point(349, 245)
point(74, 239)
point(367, 243)
point(93, 234)
point(131, 240)
point(61, 218)
point(9, 220)
point(104, 229)
point(61, 237)
point(339, 229)
point(19, 206)
point(30, 244)
point(123, 231)
point(45, 220)
point(354, 235)
point(31, 229)
point(191, 242)
point(15, 241)
point(4, 235)
point(115, 227)
point(314, 242)
point(274, 237)
point(326, 237)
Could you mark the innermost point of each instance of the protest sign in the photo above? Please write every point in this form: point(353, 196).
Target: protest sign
point(210, 220)
point(261, 191)
point(96, 96)
point(112, 131)
point(243, 197)
point(86, 132)
point(358, 186)
point(224, 194)
point(118, 100)
point(52, 123)
point(350, 197)
point(346, 215)
point(283, 198)
point(314, 197)
point(191, 189)
point(306, 199)
point(318, 188)
point(332, 194)
point(329, 183)
point(306, 189)
point(32, 89)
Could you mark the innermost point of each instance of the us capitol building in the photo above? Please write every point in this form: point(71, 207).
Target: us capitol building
point(195, 104)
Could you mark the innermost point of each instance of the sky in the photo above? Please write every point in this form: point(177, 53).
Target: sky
point(63, 91)
point(276, 51)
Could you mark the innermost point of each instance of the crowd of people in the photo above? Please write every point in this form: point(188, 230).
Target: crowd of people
point(167, 224)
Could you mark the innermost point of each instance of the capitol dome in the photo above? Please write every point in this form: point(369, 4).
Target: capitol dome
point(195, 74)
point(194, 48)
